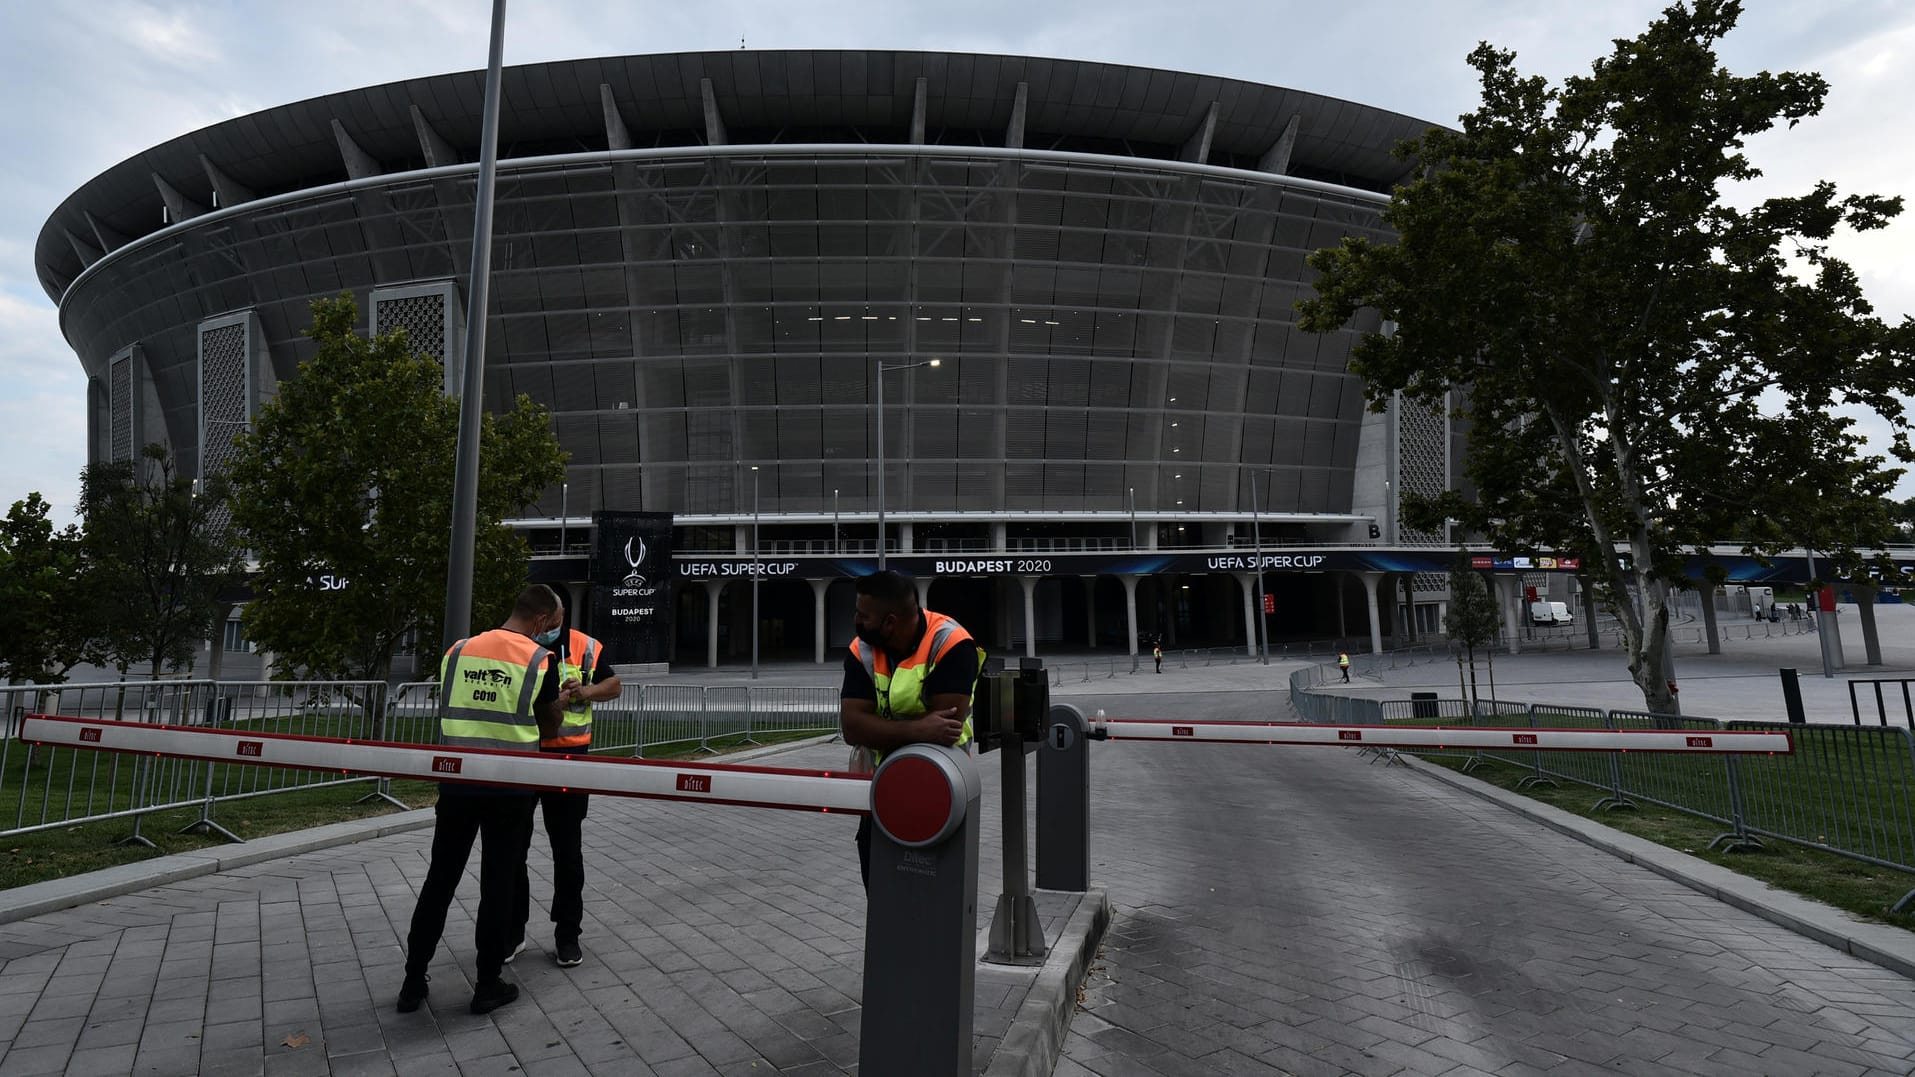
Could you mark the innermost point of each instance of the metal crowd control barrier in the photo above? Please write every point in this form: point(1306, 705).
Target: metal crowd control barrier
point(49, 786)
point(1847, 790)
point(921, 924)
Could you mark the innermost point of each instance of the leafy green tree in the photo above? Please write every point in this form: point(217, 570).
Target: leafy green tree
point(343, 488)
point(1670, 365)
point(1471, 619)
point(49, 627)
point(158, 557)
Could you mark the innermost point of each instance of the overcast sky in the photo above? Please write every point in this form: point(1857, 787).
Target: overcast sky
point(87, 84)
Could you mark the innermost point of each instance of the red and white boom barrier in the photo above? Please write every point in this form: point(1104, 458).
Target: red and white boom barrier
point(1704, 742)
point(710, 783)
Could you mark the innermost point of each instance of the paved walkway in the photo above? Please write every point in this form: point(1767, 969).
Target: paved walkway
point(1299, 911)
point(718, 941)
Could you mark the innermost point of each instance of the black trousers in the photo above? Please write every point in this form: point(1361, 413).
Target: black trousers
point(503, 822)
point(564, 815)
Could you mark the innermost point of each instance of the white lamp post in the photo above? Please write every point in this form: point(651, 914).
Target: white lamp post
point(882, 367)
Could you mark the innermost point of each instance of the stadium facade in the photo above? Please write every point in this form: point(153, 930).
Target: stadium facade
point(701, 260)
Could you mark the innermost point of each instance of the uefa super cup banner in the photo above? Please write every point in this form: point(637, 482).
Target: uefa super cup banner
point(632, 585)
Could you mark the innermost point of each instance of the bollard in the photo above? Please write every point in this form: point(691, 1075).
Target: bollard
point(1792, 697)
point(1016, 705)
point(1063, 802)
point(920, 933)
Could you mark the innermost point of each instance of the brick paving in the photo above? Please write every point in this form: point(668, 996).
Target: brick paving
point(718, 941)
point(1312, 914)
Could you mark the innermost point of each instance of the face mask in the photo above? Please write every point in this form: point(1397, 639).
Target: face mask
point(548, 637)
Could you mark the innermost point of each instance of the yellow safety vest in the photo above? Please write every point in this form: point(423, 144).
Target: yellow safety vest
point(901, 690)
point(580, 656)
point(486, 687)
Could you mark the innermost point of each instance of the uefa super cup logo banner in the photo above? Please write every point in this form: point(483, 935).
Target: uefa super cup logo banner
point(631, 585)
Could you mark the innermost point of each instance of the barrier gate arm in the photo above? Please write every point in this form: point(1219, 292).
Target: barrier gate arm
point(706, 783)
point(1679, 741)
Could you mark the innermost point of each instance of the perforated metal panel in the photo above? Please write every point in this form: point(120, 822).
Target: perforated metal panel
point(223, 407)
point(423, 317)
point(120, 390)
point(1423, 456)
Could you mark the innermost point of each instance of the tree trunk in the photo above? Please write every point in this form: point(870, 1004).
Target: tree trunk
point(1473, 697)
point(1492, 678)
point(1708, 594)
point(1462, 690)
point(1864, 592)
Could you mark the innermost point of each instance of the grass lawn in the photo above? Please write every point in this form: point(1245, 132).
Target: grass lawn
point(1861, 888)
point(62, 851)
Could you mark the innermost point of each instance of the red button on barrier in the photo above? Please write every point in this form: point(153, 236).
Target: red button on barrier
point(912, 798)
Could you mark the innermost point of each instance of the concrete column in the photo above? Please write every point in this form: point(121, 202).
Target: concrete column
point(1409, 606)
point(818, 589)
point(1509, 595)
point(904, 538)
point(1249, 582)
point(1090, 611)
point(713, 588)
point(924, 591)
point(575, 595)
point(1150, 536)
point(1130, 610)
point(741, 538)
point(1171, 608)
point(1030, 615)
point(999, 536)
point(1370, 580)
point(1343, 627)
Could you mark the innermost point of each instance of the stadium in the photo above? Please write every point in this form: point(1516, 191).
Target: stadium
point(709, 266)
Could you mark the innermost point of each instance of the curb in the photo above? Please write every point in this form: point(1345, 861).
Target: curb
point(1890, 947)
point(1031, 1046)
point(53, 895)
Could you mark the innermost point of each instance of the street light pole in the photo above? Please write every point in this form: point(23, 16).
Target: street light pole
point(880, 391)
point(754, 572)
point(465, 475)
point(1130, 499)
point(1256, 537)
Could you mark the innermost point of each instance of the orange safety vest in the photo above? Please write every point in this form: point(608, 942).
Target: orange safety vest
point(487, 685)
point(581, 656)
point(901, 690)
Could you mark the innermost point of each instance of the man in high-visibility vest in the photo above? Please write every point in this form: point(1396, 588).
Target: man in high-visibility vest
point(908, 679)
point(498, 689)
point(586, 679)
point(1343, 663)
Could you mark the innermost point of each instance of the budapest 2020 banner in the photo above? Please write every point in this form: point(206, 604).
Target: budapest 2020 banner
point(632, 585)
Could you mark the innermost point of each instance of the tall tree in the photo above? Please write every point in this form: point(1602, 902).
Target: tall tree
point(343, 488)
point(1471, 619)
point(1624, 332)
point(50, 625)
point(159, 553)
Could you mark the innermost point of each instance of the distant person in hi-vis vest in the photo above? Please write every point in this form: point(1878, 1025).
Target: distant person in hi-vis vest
point(585, 678)
point(908, 679)
point(498, 689)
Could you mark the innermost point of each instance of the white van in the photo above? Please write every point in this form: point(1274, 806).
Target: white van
point(1550, 613)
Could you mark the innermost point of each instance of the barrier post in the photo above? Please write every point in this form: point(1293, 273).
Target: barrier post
point(1063, 802)
point(218, 710)
point(1616, 799)
point(1018, 704)
point(1737, 840)
point(920, 933)
point(142, 765)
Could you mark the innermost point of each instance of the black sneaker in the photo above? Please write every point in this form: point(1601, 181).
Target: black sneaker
point(413, 992)
point(493, 994)
point(568, 954)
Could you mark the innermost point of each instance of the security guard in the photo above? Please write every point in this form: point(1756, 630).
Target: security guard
point(1343, 663)
point(587, 679)
point(498, 689)
point(909, 679)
